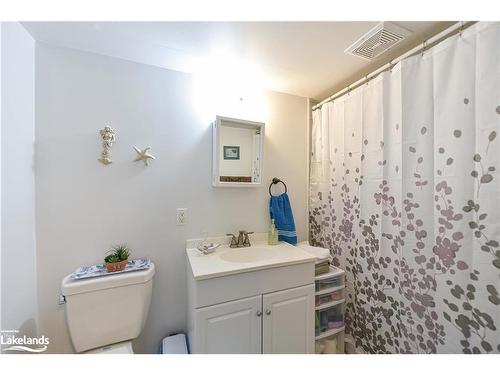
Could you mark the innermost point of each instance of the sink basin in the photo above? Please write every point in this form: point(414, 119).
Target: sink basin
point(226, 261)
point(248, 255)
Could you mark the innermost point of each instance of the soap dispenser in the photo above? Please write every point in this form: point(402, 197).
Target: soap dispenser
point(272, 237)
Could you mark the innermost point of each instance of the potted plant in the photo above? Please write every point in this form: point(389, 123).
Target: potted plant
point(117, 259)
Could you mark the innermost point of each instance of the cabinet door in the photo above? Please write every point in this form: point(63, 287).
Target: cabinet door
point(230, 328)
point(288, 324)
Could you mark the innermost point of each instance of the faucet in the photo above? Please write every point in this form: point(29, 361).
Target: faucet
point(242, 241)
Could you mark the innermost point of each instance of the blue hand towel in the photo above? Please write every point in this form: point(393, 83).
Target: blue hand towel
point(281, 211)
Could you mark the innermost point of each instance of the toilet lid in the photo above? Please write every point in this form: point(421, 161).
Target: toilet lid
point(70, 286)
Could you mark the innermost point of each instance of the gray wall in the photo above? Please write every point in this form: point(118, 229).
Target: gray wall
point(18, 258)
point(82, 207)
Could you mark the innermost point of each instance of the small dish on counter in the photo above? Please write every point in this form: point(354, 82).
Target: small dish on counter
point(208, 248)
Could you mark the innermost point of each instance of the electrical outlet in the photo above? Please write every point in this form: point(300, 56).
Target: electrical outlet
point(181, 216)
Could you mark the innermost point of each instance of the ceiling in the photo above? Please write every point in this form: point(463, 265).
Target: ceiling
point(299, 58)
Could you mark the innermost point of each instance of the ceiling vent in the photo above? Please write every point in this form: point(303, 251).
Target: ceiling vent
point(378, 40)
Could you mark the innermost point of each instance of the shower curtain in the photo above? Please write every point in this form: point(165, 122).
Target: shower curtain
point(405, 191)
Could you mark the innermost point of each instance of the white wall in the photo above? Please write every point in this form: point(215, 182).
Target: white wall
point(83, 206)
point(1, 127)
point(18, 258)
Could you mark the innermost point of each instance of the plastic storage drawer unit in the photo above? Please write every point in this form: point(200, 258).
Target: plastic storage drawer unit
point(333, 344)
point(329, 297)
point(335, 281)
point(329, 318)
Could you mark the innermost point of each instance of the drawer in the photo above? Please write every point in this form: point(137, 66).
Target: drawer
point(333, 344)
point(207, 292)
point(329, 319)
point(329, 297)
point(328, 283)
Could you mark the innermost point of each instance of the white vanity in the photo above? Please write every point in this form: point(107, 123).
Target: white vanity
point(257, 299)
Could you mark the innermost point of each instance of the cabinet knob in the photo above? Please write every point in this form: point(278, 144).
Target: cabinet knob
point(268, 312)
point(259, 313)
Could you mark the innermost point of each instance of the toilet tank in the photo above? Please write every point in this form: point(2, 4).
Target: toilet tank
point(108, 309)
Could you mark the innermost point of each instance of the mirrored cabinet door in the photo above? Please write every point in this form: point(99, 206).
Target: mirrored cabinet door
point(237, 152)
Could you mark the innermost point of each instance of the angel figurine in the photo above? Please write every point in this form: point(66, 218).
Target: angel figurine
point(108, 138)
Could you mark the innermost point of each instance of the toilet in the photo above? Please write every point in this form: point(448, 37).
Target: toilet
point(104, 314)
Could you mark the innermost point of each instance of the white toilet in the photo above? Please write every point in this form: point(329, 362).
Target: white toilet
point(105, 313)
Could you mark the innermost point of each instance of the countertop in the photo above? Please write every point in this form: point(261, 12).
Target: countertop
point(214, 265)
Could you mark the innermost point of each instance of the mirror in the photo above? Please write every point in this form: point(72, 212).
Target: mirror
point(237, 152)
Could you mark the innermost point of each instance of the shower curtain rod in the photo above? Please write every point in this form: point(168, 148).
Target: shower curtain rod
point(452, 30)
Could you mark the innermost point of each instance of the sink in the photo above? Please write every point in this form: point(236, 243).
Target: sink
point(226, 261)
point(249, 254)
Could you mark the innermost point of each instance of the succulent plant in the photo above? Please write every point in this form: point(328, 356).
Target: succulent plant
point(118, 253)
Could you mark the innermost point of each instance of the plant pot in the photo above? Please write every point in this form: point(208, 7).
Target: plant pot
point(116, 266)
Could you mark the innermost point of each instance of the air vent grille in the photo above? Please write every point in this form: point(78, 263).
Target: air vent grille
point(378, 40)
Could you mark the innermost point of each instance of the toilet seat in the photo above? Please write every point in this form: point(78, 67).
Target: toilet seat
point(119, 348)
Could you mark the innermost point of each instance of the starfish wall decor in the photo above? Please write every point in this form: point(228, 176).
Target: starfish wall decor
point(144, 155)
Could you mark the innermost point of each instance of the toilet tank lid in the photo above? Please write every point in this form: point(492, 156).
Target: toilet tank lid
point(71, 287)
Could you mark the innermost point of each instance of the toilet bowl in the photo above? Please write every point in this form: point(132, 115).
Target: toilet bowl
point(120, 348)
point(104, 314)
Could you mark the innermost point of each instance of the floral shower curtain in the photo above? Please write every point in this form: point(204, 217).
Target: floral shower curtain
point(405, 191)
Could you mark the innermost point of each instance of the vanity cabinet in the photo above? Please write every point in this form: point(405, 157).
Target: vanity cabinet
point(257, 299)
point(272, 323)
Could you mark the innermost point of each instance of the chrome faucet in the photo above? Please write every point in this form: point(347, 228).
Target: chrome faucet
point(242, 241)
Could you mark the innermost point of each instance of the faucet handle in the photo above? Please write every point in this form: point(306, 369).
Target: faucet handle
point(234, 242)
point(246, 241)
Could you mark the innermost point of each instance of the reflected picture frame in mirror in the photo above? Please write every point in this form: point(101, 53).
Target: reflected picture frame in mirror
point(231, 152)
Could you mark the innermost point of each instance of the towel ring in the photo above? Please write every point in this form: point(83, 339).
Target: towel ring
point(274, 182)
